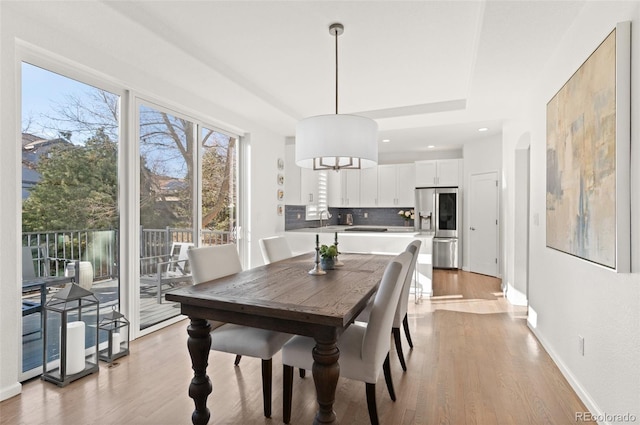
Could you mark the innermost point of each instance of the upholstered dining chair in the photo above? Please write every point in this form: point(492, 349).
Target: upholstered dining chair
point(212, 262)
point(364, 349)
point(275, 249)
point(400, 318)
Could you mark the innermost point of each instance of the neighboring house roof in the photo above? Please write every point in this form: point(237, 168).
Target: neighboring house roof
point(33, 147)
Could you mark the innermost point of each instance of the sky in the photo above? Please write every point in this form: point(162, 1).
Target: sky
point(41, 91)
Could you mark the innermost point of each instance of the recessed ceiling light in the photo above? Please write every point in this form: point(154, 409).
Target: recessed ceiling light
point(430, 147)
point(386, 140)
point(483, 129)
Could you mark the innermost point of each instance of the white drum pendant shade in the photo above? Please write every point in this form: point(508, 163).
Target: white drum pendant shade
point(336, 141)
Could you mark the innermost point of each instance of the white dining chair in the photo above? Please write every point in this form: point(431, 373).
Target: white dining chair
point(274, 249)
point(212, 262)
point(400, 317)
point(364, 349)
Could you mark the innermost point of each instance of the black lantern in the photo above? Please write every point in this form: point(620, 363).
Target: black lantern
point(70, 348)
point(114, 331)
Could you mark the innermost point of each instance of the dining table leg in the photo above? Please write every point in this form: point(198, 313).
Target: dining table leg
point(326, 372)
point(199, 344)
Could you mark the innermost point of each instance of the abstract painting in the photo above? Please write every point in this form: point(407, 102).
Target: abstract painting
point(581, 160)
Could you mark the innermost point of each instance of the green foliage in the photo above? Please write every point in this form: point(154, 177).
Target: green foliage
point(328, 251)
point(77, 190)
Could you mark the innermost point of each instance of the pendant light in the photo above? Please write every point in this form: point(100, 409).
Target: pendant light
point(336, 141)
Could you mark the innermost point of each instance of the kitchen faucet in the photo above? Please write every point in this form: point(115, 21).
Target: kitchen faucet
point(324, 212)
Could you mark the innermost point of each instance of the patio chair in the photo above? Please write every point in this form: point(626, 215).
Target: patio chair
point(31, 281)
point(166, 269)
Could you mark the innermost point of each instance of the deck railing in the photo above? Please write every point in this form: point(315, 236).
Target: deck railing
point(100, 247)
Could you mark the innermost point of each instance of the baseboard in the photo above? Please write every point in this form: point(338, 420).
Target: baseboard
point(10, 391)
point(592, 407)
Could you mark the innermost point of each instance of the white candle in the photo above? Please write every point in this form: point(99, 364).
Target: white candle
point(75, 347)
point(115, 343)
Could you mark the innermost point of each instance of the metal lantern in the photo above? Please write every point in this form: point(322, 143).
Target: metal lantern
point(114, 332)
point(70, 348)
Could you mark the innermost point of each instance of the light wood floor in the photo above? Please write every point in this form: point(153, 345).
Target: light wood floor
point(474, 362)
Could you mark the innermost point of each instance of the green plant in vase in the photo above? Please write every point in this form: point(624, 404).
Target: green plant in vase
point(328, 254)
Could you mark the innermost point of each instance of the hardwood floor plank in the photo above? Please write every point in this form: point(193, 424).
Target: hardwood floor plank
point(474, 362)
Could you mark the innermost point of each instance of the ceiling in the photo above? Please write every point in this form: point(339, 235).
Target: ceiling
point(431, 73)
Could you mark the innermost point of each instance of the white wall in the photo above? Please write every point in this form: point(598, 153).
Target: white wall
point(479, 157)
point(571, 297)
point(95, 40)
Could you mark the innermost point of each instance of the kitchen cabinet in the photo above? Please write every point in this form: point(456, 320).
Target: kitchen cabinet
point(396, 185)
point(344, 188)
point(309, 186)
point(300, 184)
point(369, 187)
point(438, 173)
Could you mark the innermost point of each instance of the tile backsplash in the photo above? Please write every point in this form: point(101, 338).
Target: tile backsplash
point(294, 217)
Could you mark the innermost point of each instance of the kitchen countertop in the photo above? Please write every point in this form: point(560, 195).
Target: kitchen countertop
point(373, 230)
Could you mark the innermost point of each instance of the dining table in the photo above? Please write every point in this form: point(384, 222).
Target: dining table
point(282, 296)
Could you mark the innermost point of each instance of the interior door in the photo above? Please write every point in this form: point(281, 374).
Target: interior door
point(483, 224)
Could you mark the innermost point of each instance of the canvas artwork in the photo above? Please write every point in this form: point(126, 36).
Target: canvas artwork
point(581, 160)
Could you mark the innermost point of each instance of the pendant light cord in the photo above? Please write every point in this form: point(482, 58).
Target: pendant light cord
point(336, 35)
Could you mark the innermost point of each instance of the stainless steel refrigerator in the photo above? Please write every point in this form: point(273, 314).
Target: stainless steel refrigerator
point(438, 213)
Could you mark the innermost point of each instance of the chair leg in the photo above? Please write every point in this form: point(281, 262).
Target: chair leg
point(396, 338)
point(371, 403)
point(287, 392)
point(303, 373)
point(266, 386)
point(237, 361)
point(387, 378)
point(405, 323)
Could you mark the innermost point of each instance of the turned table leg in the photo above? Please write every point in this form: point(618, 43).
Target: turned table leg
point(199, 344)
point(326, 372)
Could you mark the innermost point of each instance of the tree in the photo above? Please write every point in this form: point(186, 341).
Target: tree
point(78, 188)
point(167, 146)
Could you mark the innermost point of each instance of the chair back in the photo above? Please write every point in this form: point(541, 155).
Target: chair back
point(375, 344)
point(403, 303)
point(28, 268)
point(274, 249)
point(178, 257)
point(212, 262)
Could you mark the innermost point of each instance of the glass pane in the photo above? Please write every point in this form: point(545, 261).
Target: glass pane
point(447, 211)
point(166, 210)
point(69, 196)
point(219, 187)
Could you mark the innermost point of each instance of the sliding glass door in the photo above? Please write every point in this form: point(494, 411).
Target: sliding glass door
point(70, 186)
point(188, 197)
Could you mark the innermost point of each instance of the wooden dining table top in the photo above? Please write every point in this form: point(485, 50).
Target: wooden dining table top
point(284, 290)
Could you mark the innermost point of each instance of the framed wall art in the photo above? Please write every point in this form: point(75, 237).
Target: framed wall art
point(588, 146)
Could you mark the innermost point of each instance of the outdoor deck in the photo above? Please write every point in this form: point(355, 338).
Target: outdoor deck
point(106, 291)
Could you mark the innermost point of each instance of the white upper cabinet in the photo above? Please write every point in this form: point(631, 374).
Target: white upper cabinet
point(300, 184)
point(369, 187)
point(344, 188)
point(405, 190)
point(396, 185)
point(308, 186)
point(443, 172)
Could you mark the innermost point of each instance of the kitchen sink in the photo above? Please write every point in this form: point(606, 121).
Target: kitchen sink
point(365, 229)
